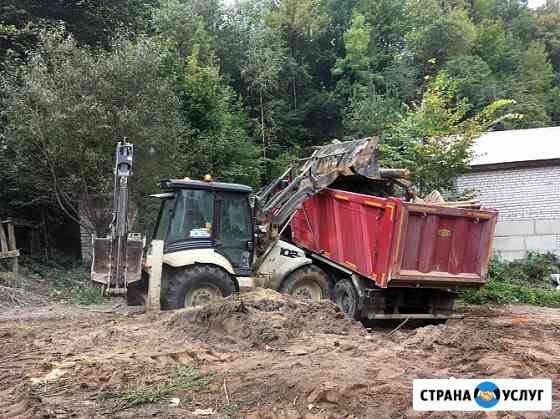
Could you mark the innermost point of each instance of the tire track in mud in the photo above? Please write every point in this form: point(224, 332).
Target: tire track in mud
point(16, 399)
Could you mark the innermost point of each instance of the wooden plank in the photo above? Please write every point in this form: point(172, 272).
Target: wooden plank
point(3, 242)
point(9, 254)
point(20, 222)
point(11, 237)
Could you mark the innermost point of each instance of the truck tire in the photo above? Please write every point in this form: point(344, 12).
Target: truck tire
point(196, 286)
point(346, 297)
point(308, 282)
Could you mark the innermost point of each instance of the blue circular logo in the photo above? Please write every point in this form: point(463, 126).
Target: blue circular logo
point(487, 394)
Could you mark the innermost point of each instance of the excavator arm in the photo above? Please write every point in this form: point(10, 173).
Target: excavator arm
point(315, 173)
point(117, 258)
point(350, 162)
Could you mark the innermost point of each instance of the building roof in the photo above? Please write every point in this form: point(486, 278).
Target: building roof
point(517, 146)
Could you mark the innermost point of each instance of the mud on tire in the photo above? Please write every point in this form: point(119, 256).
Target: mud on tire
point(346, 297)
point(196, 285)
point(308, 282)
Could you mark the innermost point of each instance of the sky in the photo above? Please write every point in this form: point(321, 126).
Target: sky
point(536, 3)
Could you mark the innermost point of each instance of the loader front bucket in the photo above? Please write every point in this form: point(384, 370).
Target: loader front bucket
point(350, 158)
point(327, 164)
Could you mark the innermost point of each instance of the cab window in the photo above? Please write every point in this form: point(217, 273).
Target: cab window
point(193, 216)
point(165, 216)
point(235, 217)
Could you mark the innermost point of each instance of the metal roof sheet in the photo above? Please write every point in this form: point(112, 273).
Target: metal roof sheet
point(522, 145)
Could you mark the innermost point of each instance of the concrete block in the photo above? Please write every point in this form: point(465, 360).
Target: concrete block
point(547, 227)
point(541, 243)
point(515, 228)
point(509, 244)
point(511, 256)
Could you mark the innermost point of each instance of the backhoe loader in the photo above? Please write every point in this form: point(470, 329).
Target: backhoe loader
point(220, 237)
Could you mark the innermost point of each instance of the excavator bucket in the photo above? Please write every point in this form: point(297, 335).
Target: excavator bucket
point(313, 174)
point(102, 270)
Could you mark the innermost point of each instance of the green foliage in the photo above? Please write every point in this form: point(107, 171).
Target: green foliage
point(439, 32)
point(236, 88)
point(434, 139)
point(356, 63)
point(371, 115)
point(474, 80)
point(69, 105)
point(525, 281)
point(505, 292)
point(534, 79)
point(218, 142)
point(67, 278)
point(185, 378)
point(88, 295)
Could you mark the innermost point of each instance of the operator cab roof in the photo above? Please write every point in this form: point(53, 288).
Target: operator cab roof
point(210, 186)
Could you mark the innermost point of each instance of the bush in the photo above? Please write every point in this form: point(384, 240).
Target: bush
point(526, 281)
point(66, 277)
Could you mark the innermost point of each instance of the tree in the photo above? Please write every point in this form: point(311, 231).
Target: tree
point(434, 139)
point(474, 80)
point(354, 68)
point(91, 22)
point(300, 22)
point(439, 33)
point(261, 70)
point(532, 86)
point(179, 20)
point(65, 110)
point(548, 30)
point(218, 142)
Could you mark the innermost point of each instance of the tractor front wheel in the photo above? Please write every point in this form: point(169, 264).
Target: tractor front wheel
point(308, 283)
point(196, 286)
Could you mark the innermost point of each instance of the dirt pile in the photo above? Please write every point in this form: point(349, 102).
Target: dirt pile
point(263, 318)
point(454, 334)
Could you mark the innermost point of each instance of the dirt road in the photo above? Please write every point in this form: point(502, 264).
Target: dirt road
point(265, 356)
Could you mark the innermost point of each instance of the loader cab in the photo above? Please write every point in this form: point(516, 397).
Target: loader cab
point(207, 215)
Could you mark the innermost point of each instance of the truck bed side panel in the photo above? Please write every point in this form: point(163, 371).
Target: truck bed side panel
point(395, 243)
point(444, 245)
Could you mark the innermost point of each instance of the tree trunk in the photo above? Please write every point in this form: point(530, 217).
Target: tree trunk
point(262, 125)
point(294, 92)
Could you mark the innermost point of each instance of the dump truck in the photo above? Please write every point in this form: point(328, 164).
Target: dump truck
point(392, 259)
point(213, 239)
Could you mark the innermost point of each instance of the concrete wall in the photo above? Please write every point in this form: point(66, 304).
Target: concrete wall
point(514, 238)
point(529, 203)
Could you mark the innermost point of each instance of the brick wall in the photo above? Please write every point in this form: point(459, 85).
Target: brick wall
point(529, 203)
point(519, 194)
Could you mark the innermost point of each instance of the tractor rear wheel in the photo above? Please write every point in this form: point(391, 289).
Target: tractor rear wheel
point(346, 297)
point(196, 286)
point(308, 282)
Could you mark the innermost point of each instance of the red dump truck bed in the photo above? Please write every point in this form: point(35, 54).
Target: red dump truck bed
point(396, 243)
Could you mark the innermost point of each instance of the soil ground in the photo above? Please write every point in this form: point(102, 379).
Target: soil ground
point(266, 356)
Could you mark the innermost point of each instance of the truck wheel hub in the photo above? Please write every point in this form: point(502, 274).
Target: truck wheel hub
point(201, 295)
point(346, 303)
point(307, 290)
